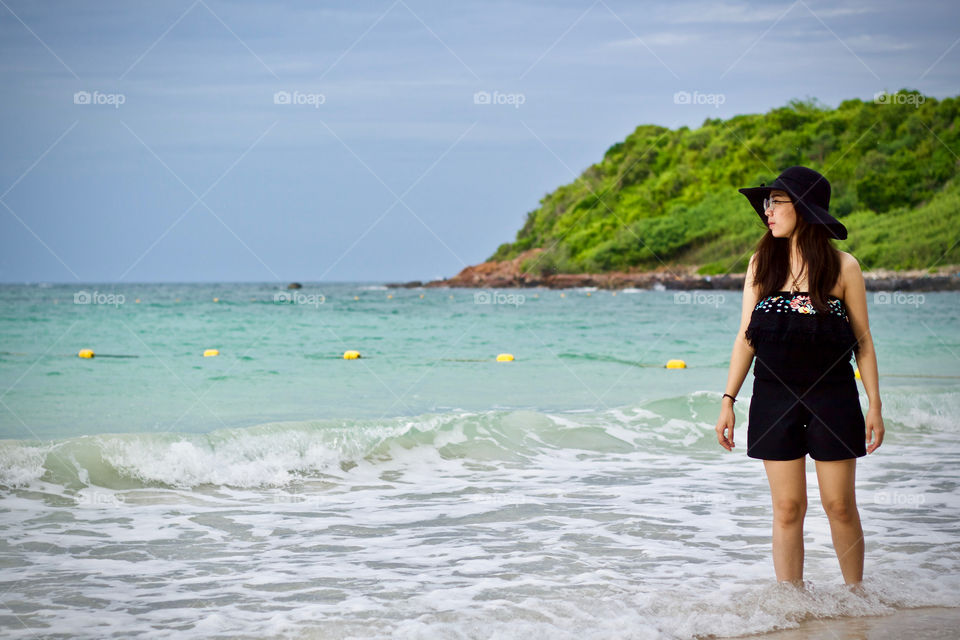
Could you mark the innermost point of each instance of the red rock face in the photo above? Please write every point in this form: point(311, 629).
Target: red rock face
point(507, 273)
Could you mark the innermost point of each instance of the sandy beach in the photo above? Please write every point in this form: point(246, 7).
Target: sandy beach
point(925, 623)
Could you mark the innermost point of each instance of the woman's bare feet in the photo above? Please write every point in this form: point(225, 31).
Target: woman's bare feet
point(798, 584)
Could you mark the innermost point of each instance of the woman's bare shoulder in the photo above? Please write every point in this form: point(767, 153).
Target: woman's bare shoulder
point(850, 272)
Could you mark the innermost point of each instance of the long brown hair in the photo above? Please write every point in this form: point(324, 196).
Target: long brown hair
point(820, 258)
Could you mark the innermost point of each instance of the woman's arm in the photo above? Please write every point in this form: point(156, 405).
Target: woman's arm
point(740, 361)
point(855, 299)
point(742, 355)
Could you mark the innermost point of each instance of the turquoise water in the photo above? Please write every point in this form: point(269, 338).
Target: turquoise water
point(282, 361)
point(425, 490)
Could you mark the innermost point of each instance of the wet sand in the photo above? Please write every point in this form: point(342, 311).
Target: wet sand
point(926, 623)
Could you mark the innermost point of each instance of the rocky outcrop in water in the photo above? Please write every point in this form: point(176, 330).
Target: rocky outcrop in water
point(507, 274)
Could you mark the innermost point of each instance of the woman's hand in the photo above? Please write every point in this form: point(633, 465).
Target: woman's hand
point(874, 429)
point(725, 427)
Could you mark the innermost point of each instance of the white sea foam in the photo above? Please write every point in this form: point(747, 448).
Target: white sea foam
point(621, 523)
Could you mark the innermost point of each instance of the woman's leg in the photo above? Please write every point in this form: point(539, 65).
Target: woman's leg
point(788, 489)
point(837, 493)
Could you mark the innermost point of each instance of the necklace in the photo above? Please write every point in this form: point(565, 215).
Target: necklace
point(795, 288)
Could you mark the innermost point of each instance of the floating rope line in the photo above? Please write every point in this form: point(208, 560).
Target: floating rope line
point(575, 356)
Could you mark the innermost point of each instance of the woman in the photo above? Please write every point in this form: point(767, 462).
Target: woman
point(804, 314)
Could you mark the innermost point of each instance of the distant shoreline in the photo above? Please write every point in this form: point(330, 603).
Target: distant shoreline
point(507, 275)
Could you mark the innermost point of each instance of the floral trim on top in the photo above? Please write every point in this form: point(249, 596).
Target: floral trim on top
point(798, 303)
point(785, 317)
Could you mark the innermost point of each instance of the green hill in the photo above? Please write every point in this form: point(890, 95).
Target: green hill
point(670, 197)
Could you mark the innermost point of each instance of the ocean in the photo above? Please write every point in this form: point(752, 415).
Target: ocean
point(425, 490)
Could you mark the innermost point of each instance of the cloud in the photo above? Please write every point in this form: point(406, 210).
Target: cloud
point(745, 13)
point(869, 43)
point(662, 39)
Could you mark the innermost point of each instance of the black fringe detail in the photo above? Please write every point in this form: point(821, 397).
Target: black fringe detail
point(812, 329)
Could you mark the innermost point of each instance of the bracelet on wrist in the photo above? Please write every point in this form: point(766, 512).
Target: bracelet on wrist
point(727, 395)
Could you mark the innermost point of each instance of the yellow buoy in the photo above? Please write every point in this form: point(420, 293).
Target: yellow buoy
point(588, 294)
point(137, 300)
point(563, 295)
point(85, 353)
point(451, 296)
point(390, 297)
point(676, 364)
point(356, 297)
point(211, 352)
point(216, 299)
point(505, 357)
point(421, 296)
point(351, 355)
point(856, 373)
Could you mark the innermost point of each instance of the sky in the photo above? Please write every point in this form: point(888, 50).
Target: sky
point(380, 141)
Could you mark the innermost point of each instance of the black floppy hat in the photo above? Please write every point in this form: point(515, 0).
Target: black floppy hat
point(810, 193)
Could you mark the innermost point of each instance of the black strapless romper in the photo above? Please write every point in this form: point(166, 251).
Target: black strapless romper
point(805, 397)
